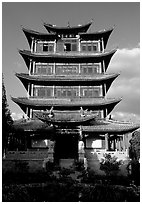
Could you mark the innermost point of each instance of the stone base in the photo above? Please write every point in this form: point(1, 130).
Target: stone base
point(66, 163)
point(31, 166)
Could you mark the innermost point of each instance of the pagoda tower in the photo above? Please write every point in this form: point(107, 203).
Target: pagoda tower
point(66, 88)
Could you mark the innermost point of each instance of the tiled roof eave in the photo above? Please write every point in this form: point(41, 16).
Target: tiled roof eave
point(67, 54)
point(64, 102)
point(67, 29)
point(97, 78)
point(111, 128)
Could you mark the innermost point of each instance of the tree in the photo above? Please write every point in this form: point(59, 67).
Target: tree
point(6, 118)
point(134, 151)
point(134, 154)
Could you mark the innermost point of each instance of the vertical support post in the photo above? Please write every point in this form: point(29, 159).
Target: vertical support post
point(54, 68)
point(79, 46)
point(106, 112)
point(79, 91)
point(124, 148)
point(99, 47)
point(55, 46)
point(35, 46)
point(105, 89)
point(104, 66)
point(54, 91)
point(106, 142)
point(102, 41)
point(79, 69)
point(28, 93)
point(32, 91)
point(30, 67)
point(33, 68)
point(30, 113)
point(32, 45)
point(126, 143)
point(119, 142)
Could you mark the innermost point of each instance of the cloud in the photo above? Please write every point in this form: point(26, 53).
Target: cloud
point(127, 85)
point(17, 116)
point(125, 116)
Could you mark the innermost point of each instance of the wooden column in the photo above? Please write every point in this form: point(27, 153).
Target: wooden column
point(104, 66)
point(35, 46)
point(124, 148)
point(28, 92)
point(55, 46)
point(32, 91)
point(79, 91)
point(102, 41)
point(30, 67)
point(31, 113)
point(33, 72)
point(106, 142)
point(79, 69)
point(32, 45)
point(53, 91)
point(54, 68)
point(119, 144)
point(99, 47)
point(79, 46)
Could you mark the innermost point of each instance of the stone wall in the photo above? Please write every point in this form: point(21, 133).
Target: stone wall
point(22, 165)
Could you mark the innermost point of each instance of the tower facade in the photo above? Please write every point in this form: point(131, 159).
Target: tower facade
point(67, 84)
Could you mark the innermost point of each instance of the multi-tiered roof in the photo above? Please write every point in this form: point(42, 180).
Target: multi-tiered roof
point(56, 54)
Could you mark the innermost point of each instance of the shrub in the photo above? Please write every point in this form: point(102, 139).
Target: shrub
point(134, 171)
point(110, 165)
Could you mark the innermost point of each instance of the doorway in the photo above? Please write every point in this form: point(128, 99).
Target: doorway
point(67, 47)
point(66, 147)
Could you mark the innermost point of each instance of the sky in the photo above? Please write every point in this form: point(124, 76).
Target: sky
point(125, 16)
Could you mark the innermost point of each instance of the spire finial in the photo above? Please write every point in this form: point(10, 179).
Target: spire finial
point(68, 24)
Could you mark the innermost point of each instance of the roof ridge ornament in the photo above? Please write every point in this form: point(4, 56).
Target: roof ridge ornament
point(68, 24)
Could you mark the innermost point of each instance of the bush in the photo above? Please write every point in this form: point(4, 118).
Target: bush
point(134, 171)
point(110, 165)
point(65, 192)
point(108, 193)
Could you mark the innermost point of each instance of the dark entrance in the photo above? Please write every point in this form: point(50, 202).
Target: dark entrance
point(66, 147)
point(67, 47)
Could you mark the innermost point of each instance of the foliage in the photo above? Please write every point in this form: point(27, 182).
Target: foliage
point(79, 166)
point(134, 150)
point(133, 168)
point(63, 192)
point(6, 118)
point(110, 164)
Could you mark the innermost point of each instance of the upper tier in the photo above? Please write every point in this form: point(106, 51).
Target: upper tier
point(49, 80)
point(93, 36)
point(68, 57)
point(67, 30)
point(67, 104)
